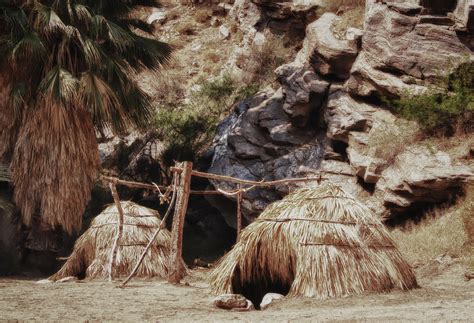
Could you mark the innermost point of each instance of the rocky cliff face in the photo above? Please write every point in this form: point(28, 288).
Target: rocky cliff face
point(325, 111)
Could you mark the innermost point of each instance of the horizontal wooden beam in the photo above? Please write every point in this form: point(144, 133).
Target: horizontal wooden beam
point(262, 183)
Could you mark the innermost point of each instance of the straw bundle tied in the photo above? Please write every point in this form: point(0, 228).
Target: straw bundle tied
point(91, 254)
point(317, 242)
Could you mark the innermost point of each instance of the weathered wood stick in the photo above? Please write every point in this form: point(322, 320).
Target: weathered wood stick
point(258, 184)
point(151, 186)
point(162, 225)
point(118, 235)
point(183, 189)
point(239, 212)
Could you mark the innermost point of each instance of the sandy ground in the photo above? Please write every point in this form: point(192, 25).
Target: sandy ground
point(443, 296)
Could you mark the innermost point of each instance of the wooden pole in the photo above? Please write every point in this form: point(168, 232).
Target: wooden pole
point(183, 189)
point(160, 227)
point(239, 212)
point(118, 235)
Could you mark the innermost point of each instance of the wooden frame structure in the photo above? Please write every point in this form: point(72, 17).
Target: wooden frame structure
point(181, 189)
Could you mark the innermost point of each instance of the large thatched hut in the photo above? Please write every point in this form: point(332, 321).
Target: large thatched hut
point(317, 242)
point(91, 255)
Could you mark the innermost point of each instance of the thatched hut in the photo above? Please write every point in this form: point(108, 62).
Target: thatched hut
point(91, 255)
point(317, 242)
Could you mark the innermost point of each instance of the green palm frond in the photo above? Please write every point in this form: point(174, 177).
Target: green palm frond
point(101, 100)
point(44, 18)
point(29, 48)
point(60, 86)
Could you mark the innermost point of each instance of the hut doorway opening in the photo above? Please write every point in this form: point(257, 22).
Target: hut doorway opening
point(262, 284)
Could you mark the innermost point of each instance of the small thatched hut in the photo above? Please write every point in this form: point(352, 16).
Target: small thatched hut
point(317, 242)
point(91, 255)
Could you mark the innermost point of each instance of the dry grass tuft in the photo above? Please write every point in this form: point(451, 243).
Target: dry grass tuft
point(389, 139)
point(186, 28)
point(444, 230)
point(92, 250)
point(262, 61)
point(353, 17)
point(337, 5)
point(316, 242)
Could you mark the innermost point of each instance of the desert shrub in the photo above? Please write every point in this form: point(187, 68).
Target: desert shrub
point(189, 128)
point(186, 28)
point(216, 90)
point(468, 221)
point(353, 17)
point(388, 140)
point(335, 5)
point(247, 91)
point(444, 109)
point(213, 57)
point(202, 15)
point(184, 131)
point(441, 231)
point(263, 60)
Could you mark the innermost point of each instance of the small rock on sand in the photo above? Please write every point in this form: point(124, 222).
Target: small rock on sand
point(269, 298)
point(232, 301)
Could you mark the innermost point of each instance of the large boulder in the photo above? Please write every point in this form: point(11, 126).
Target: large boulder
point(420, 176)
point(288, 16)
point(402, 53)
point(329, 55)
point(136, 156)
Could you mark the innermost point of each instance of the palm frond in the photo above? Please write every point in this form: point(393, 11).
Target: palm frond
point(101, 100)
point(147, 53)
point(29, 48)
point(45, 19)
point(59, 87)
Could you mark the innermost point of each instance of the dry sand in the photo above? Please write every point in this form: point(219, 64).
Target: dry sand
point(443, 296)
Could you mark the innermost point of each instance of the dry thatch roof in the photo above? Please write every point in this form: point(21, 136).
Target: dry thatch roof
point(317, 242)
point(91, 254)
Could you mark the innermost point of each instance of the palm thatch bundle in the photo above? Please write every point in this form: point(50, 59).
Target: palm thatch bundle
point(55, 135)
point(317, 242)
point(92, 251)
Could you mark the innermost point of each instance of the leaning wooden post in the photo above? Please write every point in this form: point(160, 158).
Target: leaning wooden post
point(118, 235)
point(239, 212)
point(183, 189)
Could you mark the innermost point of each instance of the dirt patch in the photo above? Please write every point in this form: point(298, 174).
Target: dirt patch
point(445, 296)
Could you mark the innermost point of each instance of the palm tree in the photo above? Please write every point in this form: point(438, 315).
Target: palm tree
point(67, 71)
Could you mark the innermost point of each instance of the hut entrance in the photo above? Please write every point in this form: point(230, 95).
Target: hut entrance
point(261, 285)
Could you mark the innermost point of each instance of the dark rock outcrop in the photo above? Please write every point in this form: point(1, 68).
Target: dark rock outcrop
point(267, 138)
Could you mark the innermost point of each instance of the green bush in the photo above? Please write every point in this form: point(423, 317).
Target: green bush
point(446, 109)
point(185, 132)
point(188, 129)
point(217, 90)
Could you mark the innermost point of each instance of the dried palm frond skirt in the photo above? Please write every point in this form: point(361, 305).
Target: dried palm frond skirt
point(317, 242)
point(91, 255)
